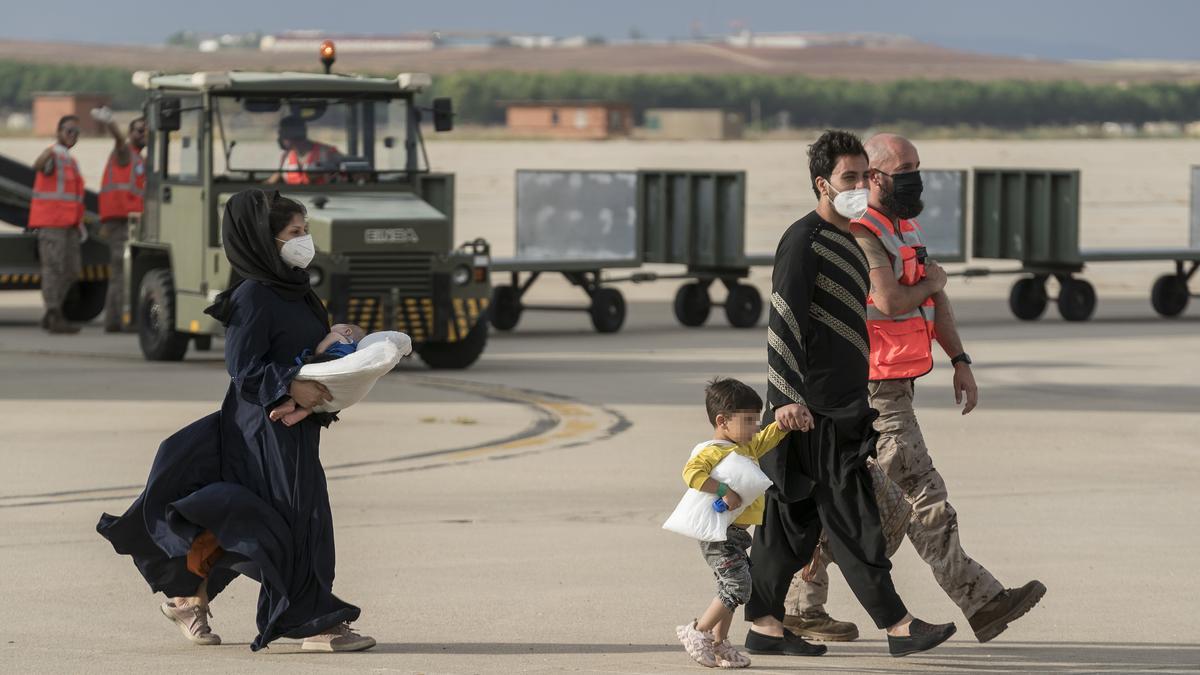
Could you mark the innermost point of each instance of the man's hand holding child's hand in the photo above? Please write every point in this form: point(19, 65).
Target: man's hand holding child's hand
point(794, 417)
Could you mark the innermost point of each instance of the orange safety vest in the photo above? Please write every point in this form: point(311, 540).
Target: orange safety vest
point(901, 346)
point(122, 187)
point(318, 157)
point(57, 199)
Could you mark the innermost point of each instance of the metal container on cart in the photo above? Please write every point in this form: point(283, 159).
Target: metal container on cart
point(579, 223)
point(1032, 216)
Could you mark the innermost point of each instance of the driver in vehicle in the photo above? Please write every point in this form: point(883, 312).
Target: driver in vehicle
point(302, 156)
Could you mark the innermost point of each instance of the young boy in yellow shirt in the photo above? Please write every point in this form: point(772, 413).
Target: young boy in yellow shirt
point(734, 410)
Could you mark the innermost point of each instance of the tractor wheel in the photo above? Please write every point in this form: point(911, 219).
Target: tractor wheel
point(455, 355)
point(156, 318)
point(85, 301)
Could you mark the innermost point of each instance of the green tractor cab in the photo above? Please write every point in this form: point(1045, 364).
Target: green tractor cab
point(350, 149)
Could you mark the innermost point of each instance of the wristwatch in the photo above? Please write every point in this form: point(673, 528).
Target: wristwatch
point(961, 358)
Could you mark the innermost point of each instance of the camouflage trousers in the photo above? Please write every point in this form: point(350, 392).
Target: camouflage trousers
point(912, 500)
point(115, 233)
point(730, 565)
point(62, 263)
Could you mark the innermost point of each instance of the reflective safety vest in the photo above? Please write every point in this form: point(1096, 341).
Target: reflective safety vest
point(320, 156)
point(57, 199)
point(901, 346)
point(122, 187)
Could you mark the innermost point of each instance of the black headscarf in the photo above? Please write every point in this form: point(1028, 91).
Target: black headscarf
point(250, 247)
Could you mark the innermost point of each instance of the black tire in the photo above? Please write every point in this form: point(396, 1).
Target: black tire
point(455, 355)
point(156, 318)
point(85, 300)
point(1028, 299)
point(1076, 300)
point(607, 310)
point(692, 304)
point(744, 306)
point(203, 343)
point(1170, 295)
point(505, 311)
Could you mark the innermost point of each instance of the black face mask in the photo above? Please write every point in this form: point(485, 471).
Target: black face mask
point(904, 199)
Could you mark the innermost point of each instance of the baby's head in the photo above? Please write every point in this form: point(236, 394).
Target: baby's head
point(344, 333)
point(733, 408)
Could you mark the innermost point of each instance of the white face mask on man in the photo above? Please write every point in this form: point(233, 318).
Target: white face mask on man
point(850, 204)
point(298, 251)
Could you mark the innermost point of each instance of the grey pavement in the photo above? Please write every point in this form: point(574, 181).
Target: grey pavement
point(507, 518)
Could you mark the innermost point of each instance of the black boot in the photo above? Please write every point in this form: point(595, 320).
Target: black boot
point(789, 645)
point(1011, 604)
point(921, 637)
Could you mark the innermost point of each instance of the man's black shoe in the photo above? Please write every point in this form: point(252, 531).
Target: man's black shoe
point(922, 637)
point(789, 645)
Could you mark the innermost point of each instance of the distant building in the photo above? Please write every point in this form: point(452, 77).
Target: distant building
point(532, 41)
point(691, 125)
point(310, 41)
point(569, 119)
point(747, 38)
point(50, 106)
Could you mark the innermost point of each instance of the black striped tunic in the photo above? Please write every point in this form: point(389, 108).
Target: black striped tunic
point(817, 334)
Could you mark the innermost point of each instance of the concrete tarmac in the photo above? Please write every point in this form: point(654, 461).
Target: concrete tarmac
point(507, 518)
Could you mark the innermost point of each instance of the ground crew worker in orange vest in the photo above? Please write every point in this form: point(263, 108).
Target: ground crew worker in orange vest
point(56, 216)
point(121, 193)
point(304, 161)
point(906, 311)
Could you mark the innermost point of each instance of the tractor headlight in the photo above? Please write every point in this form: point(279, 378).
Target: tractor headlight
point(461, 276)
point(315, 276)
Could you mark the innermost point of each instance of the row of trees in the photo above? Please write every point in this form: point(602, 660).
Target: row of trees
point(19, 81)
point(813, 102)
point(808, 102)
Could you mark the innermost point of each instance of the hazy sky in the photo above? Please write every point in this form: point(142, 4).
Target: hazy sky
point(1045, 28)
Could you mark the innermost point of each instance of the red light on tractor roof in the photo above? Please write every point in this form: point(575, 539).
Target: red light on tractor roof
point(328, 54)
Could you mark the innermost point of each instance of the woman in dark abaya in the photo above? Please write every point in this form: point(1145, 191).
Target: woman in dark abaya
point(238, 492)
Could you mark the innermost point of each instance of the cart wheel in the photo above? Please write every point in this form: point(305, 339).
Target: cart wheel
point(692, 304)
point(1169, 295)
point(505, 311)
point(1027, 300)
point(1076, 299)
point(607, 310)
point(744, 306)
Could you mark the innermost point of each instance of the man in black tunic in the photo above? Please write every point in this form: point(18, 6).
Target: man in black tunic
point(817, 385)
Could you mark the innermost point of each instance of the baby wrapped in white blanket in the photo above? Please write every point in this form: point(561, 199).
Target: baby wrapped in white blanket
point(347, 363)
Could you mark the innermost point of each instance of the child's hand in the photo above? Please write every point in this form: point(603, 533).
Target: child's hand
point(733, 499)
point(295, 417)
point(289, 406)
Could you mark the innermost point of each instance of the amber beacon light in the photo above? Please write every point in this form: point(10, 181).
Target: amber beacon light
point(328, 54)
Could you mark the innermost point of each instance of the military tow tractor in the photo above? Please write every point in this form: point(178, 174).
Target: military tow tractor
point(350, 149)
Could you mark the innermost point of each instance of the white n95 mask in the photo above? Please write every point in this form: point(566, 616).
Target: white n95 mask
point(298, 252)
point(851, 204)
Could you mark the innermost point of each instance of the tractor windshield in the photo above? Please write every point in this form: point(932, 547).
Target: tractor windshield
point(303, 140)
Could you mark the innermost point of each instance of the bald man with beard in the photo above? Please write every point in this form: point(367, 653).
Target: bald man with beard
point(912, 499)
